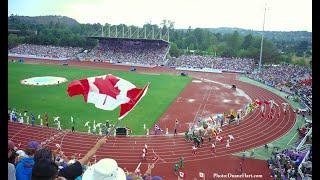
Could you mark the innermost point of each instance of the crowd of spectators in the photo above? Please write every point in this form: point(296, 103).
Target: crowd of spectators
point(221, 63)
point(96, 54)
point(306, 166)
point(284, 164)
point(295, 162)
point(293, 79)
point(36, 161)
point(130, 51)
point(44, 51)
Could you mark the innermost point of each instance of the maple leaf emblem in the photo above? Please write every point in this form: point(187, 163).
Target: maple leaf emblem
point(106, 85)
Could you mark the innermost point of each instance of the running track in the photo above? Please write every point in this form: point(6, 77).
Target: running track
point(252, 132)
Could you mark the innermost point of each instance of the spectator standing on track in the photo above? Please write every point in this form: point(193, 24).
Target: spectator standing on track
point(241, 168)
point(196, 141)
point(201, 140)
point(175, 127)
point(186, 136)
point(46, 119)
point(238, 118)
point(228, 143)
point(231, 138)
point(32, 119)
point(21, 119)
point(285, 107)
point(14, 116)
point(194, 149)
point(181, 162)
point(272, 102)
point(59, 125)
point(143, 156)
point(107, 127)
point(252, 153)
point(243, 156)
point(144, 151)
point(146, 148)
point(213, 147)
point(209, 136)
point(219, 130)
point(176, 168)
point(72, 123)
point(262, 109)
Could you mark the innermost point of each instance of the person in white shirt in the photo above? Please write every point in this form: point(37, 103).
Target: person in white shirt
point(228, 144)
point(231, 138)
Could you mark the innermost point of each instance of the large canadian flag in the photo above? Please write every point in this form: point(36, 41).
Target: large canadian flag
point(108, 92)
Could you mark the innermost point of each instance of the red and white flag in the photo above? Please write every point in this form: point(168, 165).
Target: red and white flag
point(181, 174)
point(219, 138)
point(108, 92)
point(257, 101)
point(201, 174)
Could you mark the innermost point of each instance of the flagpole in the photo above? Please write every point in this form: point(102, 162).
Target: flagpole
point(135, 99)
point(112, 129)
point(261, 46)
point(105, 99)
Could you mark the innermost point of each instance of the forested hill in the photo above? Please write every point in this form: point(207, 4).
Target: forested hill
point(275, 36)
point(285, 36)
point(42, 20)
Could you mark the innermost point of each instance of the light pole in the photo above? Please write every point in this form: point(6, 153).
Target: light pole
point(264, 18)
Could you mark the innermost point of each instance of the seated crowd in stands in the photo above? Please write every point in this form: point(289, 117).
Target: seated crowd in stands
point(35, 162)
point(45, 51)
point(293, 79)
point(304, 129)
point(286, 163)
point(130, 51)
point(227, 64)
point(306, 167)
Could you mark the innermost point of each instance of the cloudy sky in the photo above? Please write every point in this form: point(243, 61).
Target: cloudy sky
point(281, 15)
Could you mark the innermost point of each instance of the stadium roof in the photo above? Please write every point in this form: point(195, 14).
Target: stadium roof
point(141, 39)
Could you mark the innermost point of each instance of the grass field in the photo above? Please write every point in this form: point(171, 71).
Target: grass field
point(55, 101)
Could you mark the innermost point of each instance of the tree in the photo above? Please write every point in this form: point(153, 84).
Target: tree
point(234, 40)
point(174, 50)
point(247, 42)
point(13, 40)
point(301, 47)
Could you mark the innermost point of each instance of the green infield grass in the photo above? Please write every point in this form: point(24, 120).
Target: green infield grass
point(55, 101)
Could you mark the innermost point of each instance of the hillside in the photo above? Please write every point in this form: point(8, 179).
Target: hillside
point(286, 36)
point(42, 20)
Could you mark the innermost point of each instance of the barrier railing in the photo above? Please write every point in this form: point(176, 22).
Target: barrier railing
point(304, 139)
point(299, 168)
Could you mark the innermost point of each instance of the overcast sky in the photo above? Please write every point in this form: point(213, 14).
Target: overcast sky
point(282, 15)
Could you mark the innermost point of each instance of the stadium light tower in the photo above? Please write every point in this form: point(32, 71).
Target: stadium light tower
point(102, 31)
point(264, 18)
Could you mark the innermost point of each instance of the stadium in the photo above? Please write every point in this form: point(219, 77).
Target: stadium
point(192, 117)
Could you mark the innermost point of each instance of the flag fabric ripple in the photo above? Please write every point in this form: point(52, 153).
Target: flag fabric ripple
point(108, 92)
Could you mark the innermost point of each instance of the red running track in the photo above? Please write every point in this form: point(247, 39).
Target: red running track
point(252, 132)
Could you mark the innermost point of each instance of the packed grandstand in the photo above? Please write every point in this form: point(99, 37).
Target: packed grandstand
point(295, 80)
